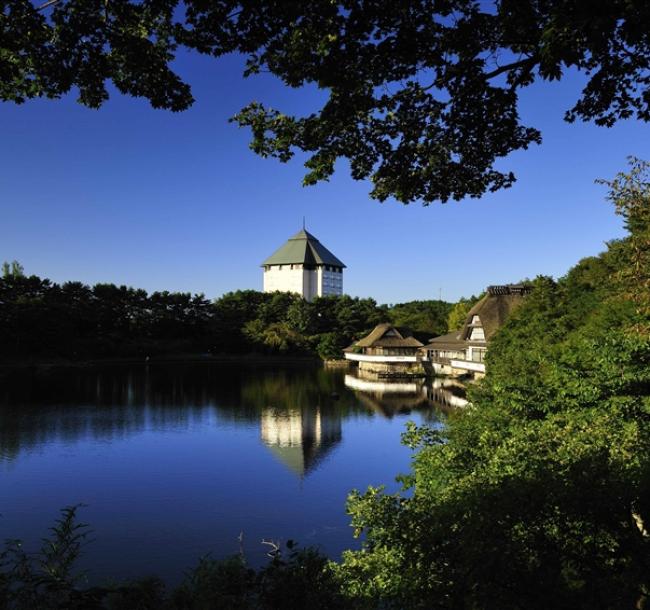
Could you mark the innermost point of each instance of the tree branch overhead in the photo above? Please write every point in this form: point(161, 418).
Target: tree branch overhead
point(411, 141)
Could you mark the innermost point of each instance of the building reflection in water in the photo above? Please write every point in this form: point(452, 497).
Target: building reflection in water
point(446, 393)
point(184, 456)
point(112, 403)
point(391, 397)
point(300, 438)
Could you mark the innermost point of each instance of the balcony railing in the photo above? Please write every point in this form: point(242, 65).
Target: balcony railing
point(468, 365)
point(366, 358)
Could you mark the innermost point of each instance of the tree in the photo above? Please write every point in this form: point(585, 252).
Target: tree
point(331, 345)
point(425, 319)
point(538, 496)
point(300, 316)
point(459, 312)
point(423, 95)
point(15, 270)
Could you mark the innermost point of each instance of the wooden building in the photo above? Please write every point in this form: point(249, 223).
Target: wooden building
point(463, 351)
point(386, 352)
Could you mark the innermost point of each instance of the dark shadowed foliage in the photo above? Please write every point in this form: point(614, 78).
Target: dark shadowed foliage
point(42, 320)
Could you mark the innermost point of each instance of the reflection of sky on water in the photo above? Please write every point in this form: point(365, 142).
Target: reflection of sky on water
point(174, 461)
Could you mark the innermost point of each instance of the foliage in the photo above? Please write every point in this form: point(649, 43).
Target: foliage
point(424, 319)
point(422, 96)
point(42, 319)
point(227, 584)
point(277, 337)
point(539, 495)
point(45, 579)
point(293, 578)
point(330, 346)
point(300, 578)
point(13, 269)
point(629, 194)
point(458, 313)
point(39, 318)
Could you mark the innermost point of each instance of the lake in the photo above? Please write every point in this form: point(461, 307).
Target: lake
point(174, 461)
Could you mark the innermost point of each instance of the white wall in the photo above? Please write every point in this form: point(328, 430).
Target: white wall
point(366, 358)
point(468, 366)
point(283, 278)
point(309, 283)
point(477, 334)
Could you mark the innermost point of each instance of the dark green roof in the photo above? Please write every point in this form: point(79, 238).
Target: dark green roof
point(303, 249)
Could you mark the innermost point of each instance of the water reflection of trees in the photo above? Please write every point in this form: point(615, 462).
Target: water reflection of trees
point(113, 402)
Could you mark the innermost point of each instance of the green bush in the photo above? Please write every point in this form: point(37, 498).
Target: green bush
point(537, 496)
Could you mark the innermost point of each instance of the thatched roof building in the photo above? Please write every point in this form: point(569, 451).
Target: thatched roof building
point(387, 336)
point(386, 352)
point(450, 341)
point(453, 351)
point(492, 311)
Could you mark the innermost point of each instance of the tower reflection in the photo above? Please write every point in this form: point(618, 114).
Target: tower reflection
point(300, 438)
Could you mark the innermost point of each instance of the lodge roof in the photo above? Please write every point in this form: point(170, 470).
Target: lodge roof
point(377, 338)
point(494, 309)
point(303, 248)
point(520, 289)
point(449, 341)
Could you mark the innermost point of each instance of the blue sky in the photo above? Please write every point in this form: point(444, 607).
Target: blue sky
point(158, 200)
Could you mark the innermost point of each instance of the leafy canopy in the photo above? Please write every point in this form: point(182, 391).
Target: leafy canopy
point(424, 318)
point(15, 270)
point(539, 495)
point(422, 96)
point(40, 319)
point(459, 312)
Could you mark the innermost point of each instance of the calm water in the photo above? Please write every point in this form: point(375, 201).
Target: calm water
point(174, 461)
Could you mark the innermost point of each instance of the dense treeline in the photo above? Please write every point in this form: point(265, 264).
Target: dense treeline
point(426, 319)
point(42, 319)
point(460, 310)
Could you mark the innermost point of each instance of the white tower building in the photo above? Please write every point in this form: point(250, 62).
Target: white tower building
point(305, 266)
